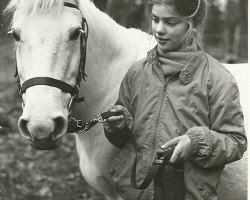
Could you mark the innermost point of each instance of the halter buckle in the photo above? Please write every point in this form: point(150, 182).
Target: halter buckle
point(20, 92)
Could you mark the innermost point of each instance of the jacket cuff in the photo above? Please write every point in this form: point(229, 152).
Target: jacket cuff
point(117, 138)
point(198, 137)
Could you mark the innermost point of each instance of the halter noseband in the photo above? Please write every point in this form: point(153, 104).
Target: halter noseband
point(65, 87)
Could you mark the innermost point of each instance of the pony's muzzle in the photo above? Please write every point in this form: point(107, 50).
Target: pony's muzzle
point(46, 143)
point(43, 134)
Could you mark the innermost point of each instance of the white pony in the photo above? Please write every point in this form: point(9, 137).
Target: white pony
point(43, 30)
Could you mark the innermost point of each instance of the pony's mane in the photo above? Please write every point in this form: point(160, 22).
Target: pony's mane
point(33, 6)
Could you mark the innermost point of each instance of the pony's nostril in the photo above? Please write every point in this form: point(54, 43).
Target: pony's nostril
point(60, 127)
point(23, 129)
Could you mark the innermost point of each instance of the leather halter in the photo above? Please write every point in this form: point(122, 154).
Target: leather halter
point(65, 87)
point(74, 125)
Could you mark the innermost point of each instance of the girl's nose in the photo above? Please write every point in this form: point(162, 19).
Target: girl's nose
point(160, 28)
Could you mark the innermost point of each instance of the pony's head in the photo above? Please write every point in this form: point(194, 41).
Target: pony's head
point(48, 44)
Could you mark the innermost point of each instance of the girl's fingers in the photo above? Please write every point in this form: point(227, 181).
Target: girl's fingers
point(176, 154)
point(115, 119)
point(118, 127)
point(170, 143)
point(182, 149)
point(117, 109)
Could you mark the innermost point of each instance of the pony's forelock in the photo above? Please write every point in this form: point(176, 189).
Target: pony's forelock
point(33, 6)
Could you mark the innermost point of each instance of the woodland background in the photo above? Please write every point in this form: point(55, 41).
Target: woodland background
point(27, 174)
point(226, 32)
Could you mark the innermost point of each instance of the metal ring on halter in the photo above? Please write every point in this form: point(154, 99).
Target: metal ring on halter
point(82, 32)
point(71, 101)
point(79, 123)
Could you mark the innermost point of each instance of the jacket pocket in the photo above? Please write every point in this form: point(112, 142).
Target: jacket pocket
point(202, 182)
point(120, 170)
point(118, 165)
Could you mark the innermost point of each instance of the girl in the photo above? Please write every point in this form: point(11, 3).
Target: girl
point(178, 96)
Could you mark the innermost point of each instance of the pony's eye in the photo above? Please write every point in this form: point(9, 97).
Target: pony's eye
point(155, 20)
point(15, 35)
point(75, 34)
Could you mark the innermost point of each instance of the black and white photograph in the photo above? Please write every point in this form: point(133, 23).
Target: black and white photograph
point(124, 99)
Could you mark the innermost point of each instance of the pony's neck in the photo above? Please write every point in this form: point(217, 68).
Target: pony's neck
point(104, 33)
point(111, 50)
point(104, 52)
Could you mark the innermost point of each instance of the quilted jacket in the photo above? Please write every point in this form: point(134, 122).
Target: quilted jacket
point(200, 100)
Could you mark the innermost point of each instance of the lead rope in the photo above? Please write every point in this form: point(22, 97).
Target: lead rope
point(159, 161)
point(79, 126)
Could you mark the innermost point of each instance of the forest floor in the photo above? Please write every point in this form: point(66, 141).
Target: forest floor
point(25, 173)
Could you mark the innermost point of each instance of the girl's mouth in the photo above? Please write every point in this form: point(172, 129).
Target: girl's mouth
point(162, 40)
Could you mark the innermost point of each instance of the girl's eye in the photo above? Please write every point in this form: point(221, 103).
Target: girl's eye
point(75, 35)
point(171, 22)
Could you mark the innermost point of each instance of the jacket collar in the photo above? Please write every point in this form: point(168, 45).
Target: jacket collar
point(187, 73)
point(152, 56)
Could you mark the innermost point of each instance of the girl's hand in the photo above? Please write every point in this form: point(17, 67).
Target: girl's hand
point(121, 118)
point(182, 150)
point(114, 126)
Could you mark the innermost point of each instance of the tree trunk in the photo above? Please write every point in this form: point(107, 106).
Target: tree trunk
point(243, 48)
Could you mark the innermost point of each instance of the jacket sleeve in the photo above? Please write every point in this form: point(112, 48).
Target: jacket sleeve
point(224, 141)
point(124, 96)
point(119, 137)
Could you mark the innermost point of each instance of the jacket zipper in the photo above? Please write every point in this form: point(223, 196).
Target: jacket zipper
point(162, 100)
point(162, 79)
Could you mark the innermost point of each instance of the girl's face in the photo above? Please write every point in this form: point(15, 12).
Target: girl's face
point(168, 27)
